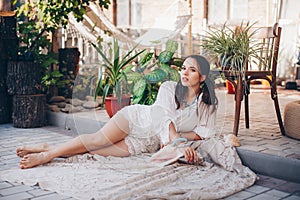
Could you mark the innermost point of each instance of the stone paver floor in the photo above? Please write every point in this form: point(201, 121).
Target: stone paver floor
point(11, 138)
point(263, 136)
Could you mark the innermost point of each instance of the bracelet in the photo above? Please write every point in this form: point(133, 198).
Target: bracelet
point(178, 140)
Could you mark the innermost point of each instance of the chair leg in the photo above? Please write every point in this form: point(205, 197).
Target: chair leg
point(276, 104)
point(246, 95)
point(238, 100)
point(246, 110)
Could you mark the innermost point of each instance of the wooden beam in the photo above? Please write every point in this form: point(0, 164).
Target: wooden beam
point(115, 11)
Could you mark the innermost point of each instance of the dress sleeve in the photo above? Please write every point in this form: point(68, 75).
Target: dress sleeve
point(166, 101)
point(207, 121)
point(166, 98)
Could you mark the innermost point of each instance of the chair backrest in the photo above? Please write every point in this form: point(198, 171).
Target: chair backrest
point(267, 40)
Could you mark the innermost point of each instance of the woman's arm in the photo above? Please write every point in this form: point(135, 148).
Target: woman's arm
point(190, 136)
point(173, 134)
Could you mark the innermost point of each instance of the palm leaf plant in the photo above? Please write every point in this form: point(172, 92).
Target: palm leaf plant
point(115, 67)
point(151, 71)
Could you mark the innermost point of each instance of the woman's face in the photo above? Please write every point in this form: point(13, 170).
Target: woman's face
point(190, 74)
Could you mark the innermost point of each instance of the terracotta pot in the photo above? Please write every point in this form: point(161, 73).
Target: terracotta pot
point(230, 87)
point(112, 106)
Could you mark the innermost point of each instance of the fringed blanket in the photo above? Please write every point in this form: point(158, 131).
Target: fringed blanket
point(95, 177)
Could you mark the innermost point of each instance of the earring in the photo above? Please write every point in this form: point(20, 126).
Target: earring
point(202, 84)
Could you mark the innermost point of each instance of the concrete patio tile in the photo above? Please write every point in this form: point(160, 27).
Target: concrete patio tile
point(276, 152)
point(277, 193)
point(272, 145)
point(253, 148)
point(17, 196)
point(39, 192)
point(269, 182)
point(251, 139)
point(289, 187)
point(293, 197)
point(241, 195)
point(253, 143)
point(257, 189)
point(4, 185)
point(51, 196)
point(264, 197)
point(14, 190)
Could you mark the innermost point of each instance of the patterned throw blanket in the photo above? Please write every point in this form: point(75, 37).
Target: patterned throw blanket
point(95, 177)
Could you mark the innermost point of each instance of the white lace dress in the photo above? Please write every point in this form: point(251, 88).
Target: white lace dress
point(149, 125)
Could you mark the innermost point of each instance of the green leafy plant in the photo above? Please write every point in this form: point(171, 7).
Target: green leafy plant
point(233, 47)
point(115, 67)
point(150, 71)
point(37, 21)
point(54, 78)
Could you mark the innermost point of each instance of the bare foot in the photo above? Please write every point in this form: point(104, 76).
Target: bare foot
point(22, 151)
point(34, 159)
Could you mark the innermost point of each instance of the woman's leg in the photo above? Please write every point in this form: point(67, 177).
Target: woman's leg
point(119, 149)
point(108, 135)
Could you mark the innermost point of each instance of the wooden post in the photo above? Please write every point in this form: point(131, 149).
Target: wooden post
point(115, 11)
point(8, 51)
point(190, 36)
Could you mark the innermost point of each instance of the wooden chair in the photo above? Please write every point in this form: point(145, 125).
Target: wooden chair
point(269, 38)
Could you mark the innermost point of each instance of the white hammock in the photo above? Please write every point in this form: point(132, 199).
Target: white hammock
point(167, 26)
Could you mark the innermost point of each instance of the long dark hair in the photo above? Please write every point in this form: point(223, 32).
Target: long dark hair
point(206, 87)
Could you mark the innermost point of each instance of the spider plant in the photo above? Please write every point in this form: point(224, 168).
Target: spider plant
point(234, 48)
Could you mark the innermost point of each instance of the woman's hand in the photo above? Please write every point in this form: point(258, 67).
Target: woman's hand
point(190, 154)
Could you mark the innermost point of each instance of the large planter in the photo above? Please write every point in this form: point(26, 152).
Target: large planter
point(112, 106)
point(291, 118)
point(230, 87)
point(29, 111)
point(23, 77)
point(24, 83)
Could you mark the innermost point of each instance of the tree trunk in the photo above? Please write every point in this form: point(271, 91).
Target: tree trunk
point(23, 77)
point(29, 111)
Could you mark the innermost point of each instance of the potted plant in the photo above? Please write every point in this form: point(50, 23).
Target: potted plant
point(37, 23)
point(150, 71)
point(232, 47)
point(114, 82)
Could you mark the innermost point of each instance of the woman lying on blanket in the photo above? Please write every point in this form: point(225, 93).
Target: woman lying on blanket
point(186, 109)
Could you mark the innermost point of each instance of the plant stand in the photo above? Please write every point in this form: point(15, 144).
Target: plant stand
point(29, 111)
